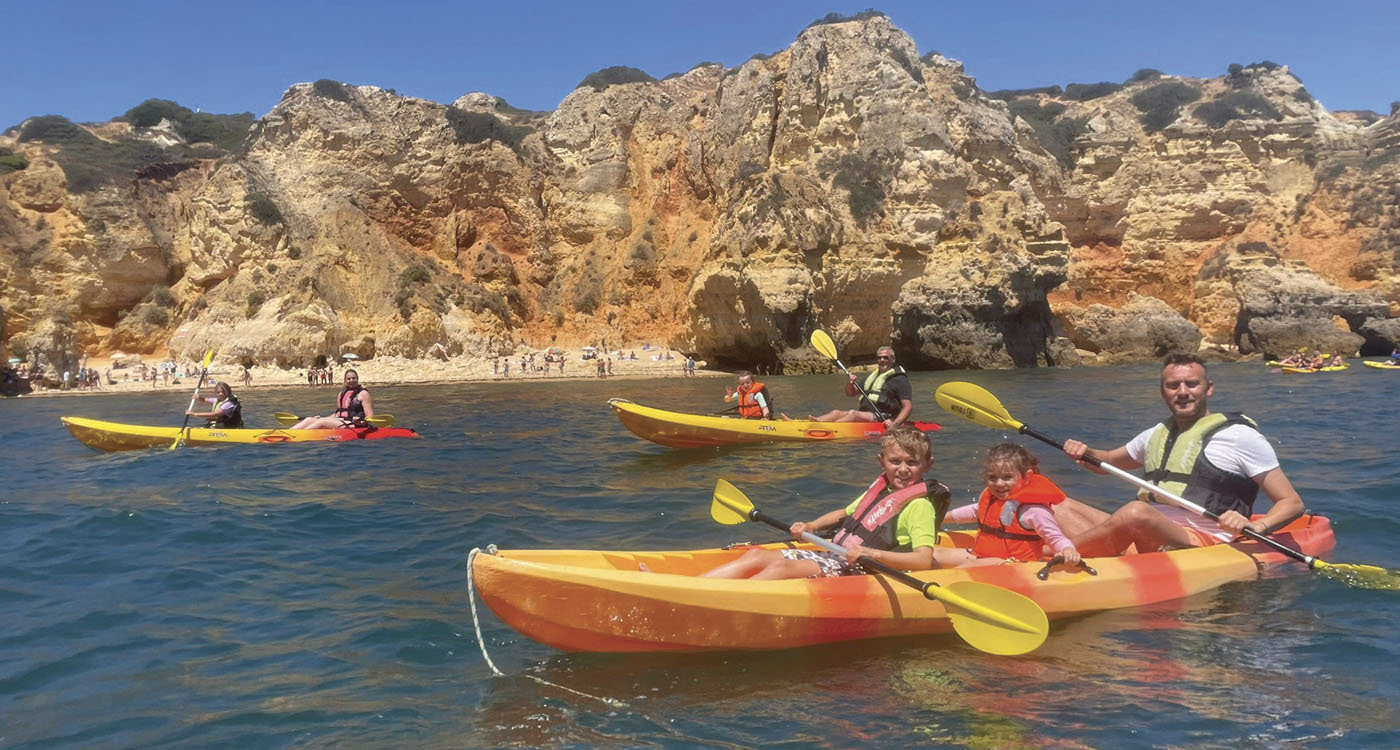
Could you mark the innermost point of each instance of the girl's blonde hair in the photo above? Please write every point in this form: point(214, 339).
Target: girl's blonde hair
point(1010, 454)
point(913, 441)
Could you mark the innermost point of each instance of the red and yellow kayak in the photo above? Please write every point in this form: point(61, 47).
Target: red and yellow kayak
point(681, 430)
point(116, 436)
point(593, 600)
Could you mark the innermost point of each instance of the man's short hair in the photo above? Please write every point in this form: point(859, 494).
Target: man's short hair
point(743, 374)
point(1183, 358)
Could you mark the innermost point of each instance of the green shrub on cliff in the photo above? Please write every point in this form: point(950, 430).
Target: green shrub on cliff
point(1083, 92)
point(834, 17)
point(1236, 105)
point(475, 127)
point(262, 208)
point(1055, 132)
point(331, 90)
point(1161, 104)
point(225, 132)
point(617, 74)
point(12, 162)
point(255, 301)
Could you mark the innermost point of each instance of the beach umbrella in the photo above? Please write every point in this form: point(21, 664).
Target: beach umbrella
point(15, 360)
point(349, 355)
point(117, 355)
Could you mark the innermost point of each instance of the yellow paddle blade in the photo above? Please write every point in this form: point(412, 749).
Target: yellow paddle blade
point(383, 420)
point(731, 506)
point(971, 604)
point(975, 404)
point(208, 358)
point(823, 344)
point(286, 418)
point(1360, 576)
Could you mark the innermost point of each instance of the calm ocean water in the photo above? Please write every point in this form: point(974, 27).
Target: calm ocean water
point(315, 596)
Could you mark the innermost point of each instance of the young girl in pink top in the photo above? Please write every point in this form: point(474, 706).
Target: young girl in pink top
point(1015, 514)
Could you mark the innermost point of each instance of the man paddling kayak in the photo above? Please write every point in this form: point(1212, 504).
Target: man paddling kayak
point(352, 407)
point(1219, 460)
point(887, 387)
point(754, 401)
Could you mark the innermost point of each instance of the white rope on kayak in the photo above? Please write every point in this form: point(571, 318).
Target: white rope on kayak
point(481, 642)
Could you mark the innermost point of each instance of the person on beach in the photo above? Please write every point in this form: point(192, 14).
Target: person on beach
point(227, 411)
point(1014, 515)
point(887, 387)
point(754, 401)
point(1217, 460)
point(895, 521)
point(352, 407)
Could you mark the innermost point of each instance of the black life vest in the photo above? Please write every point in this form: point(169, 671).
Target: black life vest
point(231, 419)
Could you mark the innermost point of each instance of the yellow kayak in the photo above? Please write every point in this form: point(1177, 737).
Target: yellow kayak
point(116, 436)
point(1309, 370)
point(681, 430)
point(1385, 365)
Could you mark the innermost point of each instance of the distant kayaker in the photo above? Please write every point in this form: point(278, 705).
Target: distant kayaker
point(1015, 514)
point(895, 521)
point(352, 407)
point(227, 411)
point(887, 387)
point(1219, 460)
point(754, 401)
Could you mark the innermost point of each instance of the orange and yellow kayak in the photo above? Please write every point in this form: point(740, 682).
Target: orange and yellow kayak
point(593, 600)
point(681, 430)
point(116, 436)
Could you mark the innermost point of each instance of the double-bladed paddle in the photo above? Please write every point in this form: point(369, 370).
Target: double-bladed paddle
point(976, 404)
point(184, 428)
point(827, 348)
point(989, 618)
point(288, 419)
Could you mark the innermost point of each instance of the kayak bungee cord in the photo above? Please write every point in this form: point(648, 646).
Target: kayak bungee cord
point(481, 642)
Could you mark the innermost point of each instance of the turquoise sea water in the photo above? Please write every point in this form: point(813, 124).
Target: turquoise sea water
point(315, 596)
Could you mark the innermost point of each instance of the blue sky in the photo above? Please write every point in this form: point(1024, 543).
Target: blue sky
point(92, 61)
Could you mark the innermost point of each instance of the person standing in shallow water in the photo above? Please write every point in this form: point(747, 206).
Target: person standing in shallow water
point(887, 387)
point(352, 408)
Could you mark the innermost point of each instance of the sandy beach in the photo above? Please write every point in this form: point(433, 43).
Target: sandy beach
point(382, 371)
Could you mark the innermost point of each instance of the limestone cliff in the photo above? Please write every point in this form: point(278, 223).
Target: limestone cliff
point(844, 183)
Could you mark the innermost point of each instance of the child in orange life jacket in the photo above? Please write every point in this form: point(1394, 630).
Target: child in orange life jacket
point(1015, 514)
point(895, 521)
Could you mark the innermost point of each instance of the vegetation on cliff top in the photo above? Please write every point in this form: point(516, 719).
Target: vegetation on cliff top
point(613, 76)
point(89, 162)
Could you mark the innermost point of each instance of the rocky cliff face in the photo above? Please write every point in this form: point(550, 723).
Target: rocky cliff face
point(842, 183)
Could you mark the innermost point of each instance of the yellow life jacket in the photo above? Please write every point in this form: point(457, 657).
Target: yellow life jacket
point(874, 385)
point(1176, 461)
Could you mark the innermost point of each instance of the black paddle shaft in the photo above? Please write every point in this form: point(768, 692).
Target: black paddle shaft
point(865, 562)
point(1247, 532)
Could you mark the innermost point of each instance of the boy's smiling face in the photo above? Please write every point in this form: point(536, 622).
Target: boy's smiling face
point(902, 468)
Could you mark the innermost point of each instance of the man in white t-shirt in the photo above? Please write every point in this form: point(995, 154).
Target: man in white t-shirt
point(1224, 475)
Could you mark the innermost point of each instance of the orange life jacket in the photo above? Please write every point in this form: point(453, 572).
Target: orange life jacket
point(749, 407)
point(1000, 533)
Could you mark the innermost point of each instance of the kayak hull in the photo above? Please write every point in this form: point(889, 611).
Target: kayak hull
point(1381, 365)
point(117, 436)
point(600, 601)
point(1309, 370)
point(681, 430)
